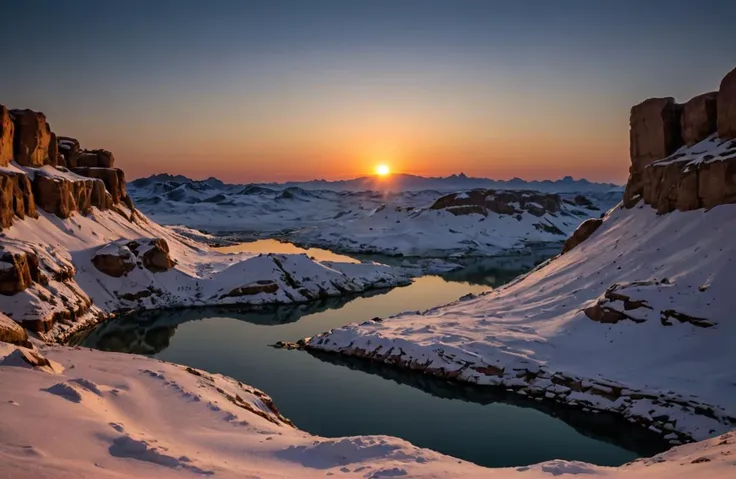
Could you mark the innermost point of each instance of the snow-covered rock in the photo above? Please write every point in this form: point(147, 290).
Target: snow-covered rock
point(424, 223)
point(90, 266)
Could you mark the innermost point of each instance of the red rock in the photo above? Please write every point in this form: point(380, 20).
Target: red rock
point(96, 159)
point(727, 106)
point(7, 129)
point(157, 258)
point(583, 232)
point(15, 273)
point(11, 332)
point(699, 118)
point(654, 134)
point(32, 138)
point(113, 178)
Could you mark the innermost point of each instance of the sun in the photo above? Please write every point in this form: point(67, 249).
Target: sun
point(383, 170)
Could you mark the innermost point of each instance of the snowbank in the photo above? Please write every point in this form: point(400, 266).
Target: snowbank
point(86, 414)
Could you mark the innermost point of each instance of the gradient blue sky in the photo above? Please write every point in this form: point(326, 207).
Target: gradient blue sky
point(275, 90)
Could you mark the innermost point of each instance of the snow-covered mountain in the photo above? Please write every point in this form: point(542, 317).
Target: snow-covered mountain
point(404, 223)
point(399, 182)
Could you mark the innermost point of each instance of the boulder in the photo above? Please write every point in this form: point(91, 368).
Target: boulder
point(31, 139)
point(113, 178)
point(11, 332)
point(7, 129)
point(263, 286)
point(17, 271)
point(114, 260)
point(727, 106)
point(156, 258)
point(95, 159)
point(699, 118)
point(583, 232)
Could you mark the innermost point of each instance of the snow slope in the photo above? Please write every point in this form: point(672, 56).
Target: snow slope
point(659, 348)
point(87, 414)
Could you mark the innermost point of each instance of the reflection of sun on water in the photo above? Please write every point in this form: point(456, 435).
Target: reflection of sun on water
point(383, 170)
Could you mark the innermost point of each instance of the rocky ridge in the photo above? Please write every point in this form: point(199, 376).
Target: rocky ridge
point(683, 157)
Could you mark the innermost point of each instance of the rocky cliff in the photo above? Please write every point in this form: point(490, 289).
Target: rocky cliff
point(683, 157)
point(37, 168)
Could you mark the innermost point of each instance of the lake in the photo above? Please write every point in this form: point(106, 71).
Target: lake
point(332, 396)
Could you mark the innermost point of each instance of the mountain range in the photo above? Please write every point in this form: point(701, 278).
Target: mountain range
point(406, 182)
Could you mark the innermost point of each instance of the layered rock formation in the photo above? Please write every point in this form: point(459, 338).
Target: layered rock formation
point(32, 138)
point(40, 176)
point(7, 130)
point(683, 157)
point(501, 202)
point(727, 106)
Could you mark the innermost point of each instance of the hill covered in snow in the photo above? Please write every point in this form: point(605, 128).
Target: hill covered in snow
point(401, 182)
point(411, 223)
point(635, 317)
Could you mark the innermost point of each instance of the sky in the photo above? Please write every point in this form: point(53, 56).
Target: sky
point(300, 89)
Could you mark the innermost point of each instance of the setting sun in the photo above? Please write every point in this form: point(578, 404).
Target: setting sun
point(383, 170)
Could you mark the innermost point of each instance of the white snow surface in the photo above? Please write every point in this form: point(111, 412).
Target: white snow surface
point(201, 276)
point(371, 222)
point(685, 262)
point(709, 150)
point(105, 415)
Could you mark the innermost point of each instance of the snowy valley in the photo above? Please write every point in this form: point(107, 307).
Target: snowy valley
point(630, 319)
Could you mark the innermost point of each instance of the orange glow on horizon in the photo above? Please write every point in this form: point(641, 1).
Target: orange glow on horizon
point(383, 170)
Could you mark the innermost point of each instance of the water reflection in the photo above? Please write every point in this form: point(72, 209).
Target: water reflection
point(605, 427)
point(332, 396)
point(150, 332)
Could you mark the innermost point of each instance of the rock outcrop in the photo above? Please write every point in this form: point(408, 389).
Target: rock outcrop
point(701, 174)
point(501, 202)
point(70, 150)
point(263, 286)
point(96, 159)
point(11, 332)
point(115, 261)
point(7, 128)
point(32, 138)
point(699, 118)
point(113, 178)
point(727, 106)
point(121, 257)
point(655, 130)
point(156, 256)
point(16, 198)
point(62, 196)
point(586, 228)
point(17, 272)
